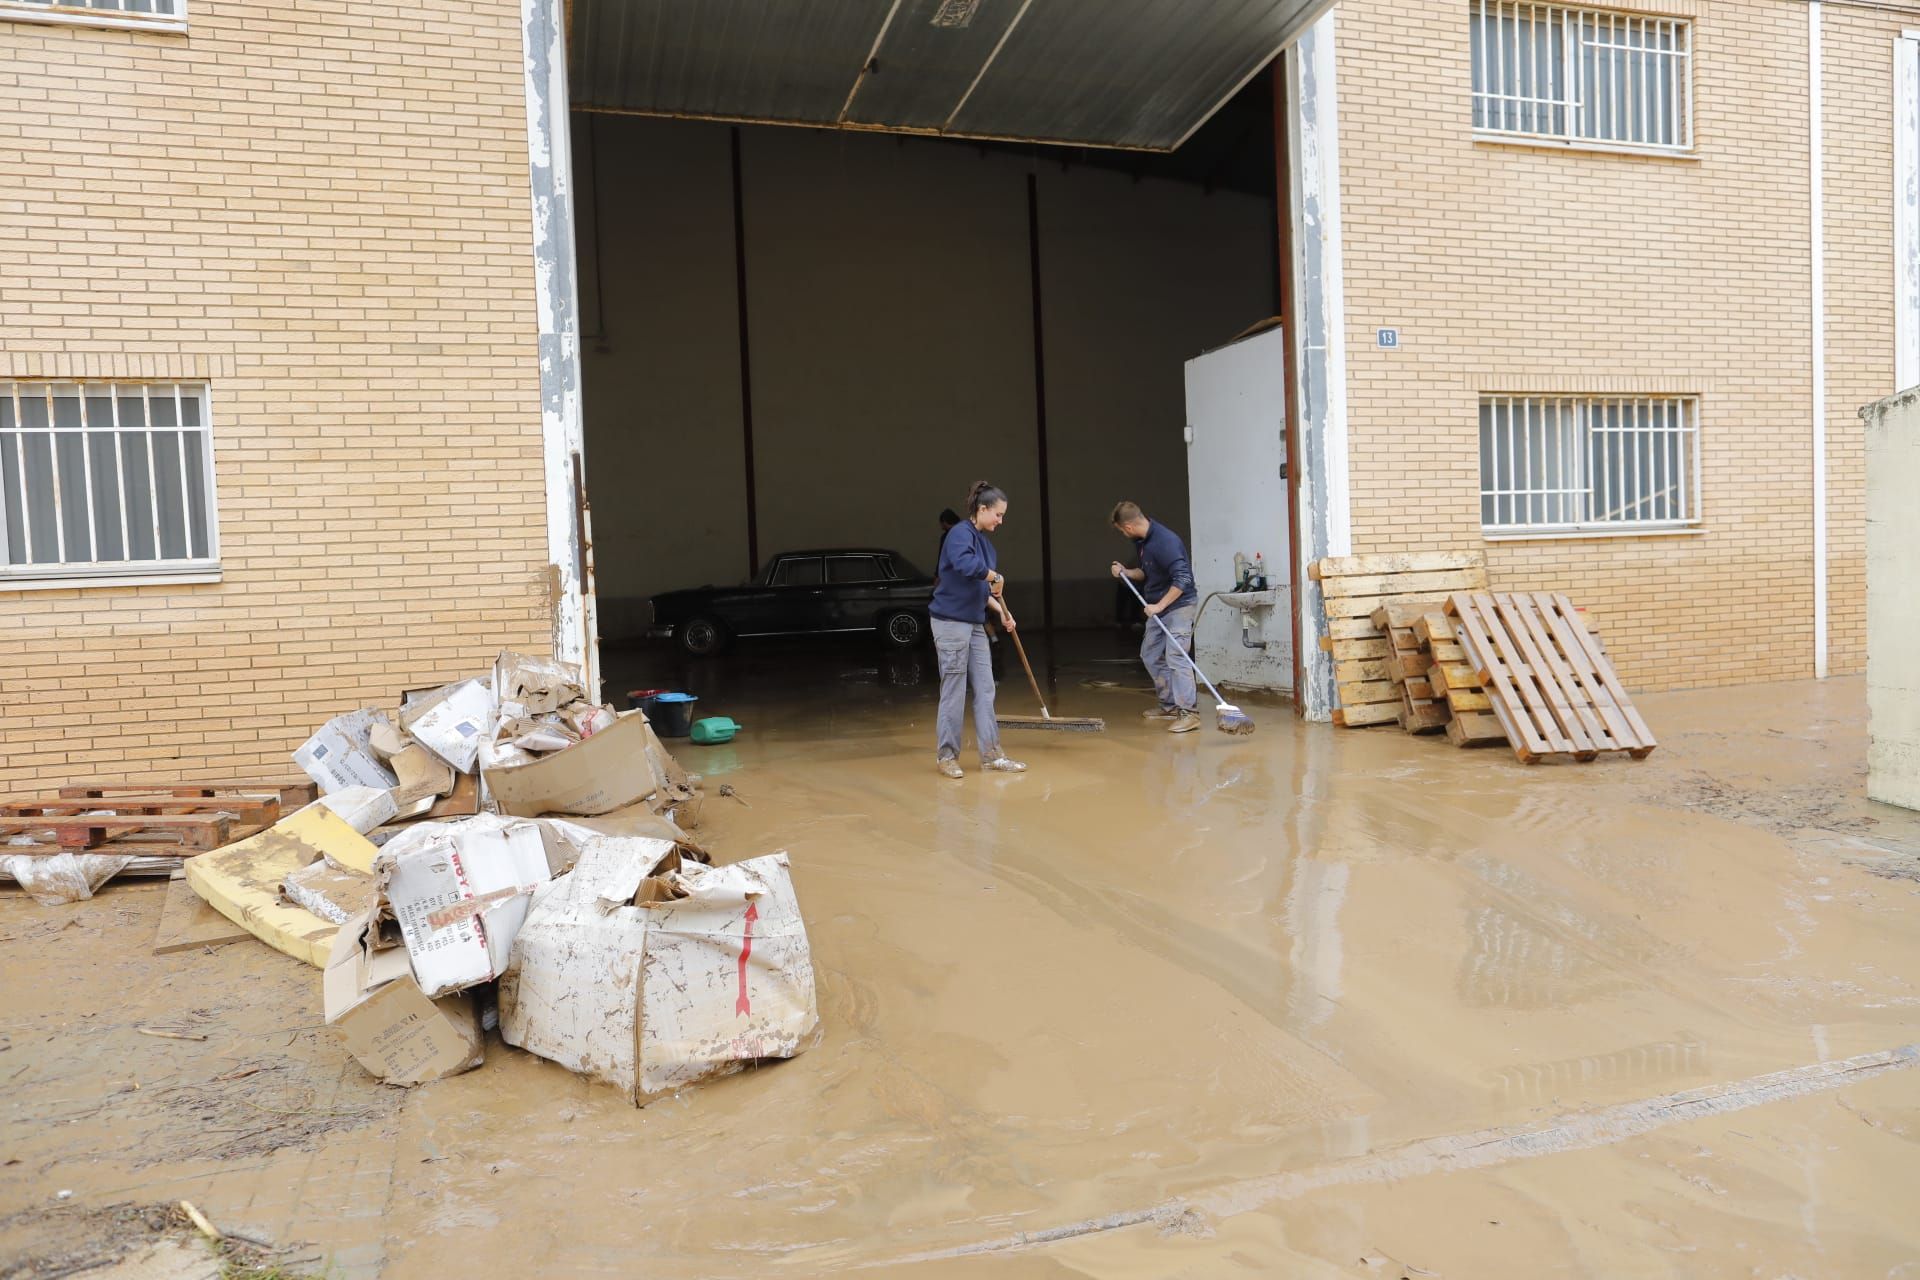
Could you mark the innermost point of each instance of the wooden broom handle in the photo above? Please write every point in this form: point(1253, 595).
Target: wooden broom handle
point(1021, 649)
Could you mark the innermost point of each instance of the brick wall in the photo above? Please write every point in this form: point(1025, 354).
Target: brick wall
point(322, 211)
point(1511, 268)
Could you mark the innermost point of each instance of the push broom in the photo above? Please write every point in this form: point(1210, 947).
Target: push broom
point(1046, 719)
point(1228, 718)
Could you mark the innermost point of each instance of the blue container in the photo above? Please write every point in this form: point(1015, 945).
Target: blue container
point(671, 714)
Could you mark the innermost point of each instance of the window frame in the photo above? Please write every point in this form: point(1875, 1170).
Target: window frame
point(1690, 483)
point(880, 569)
point(68, 15)
point(119, 573)
point(781, 566)
point(1571, 69)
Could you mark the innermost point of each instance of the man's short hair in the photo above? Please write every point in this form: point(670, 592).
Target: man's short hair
point(1126, 512)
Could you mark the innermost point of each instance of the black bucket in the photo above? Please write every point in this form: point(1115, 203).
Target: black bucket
point(670, 714)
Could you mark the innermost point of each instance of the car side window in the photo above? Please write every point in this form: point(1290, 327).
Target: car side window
point(799, 571)
point(854, 569)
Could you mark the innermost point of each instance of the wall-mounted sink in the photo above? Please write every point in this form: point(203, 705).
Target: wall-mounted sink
point(1250, 600)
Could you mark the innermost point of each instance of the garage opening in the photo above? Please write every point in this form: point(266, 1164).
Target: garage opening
point(803, 339)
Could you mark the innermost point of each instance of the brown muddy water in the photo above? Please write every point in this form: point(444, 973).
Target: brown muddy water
point(1316, 1002)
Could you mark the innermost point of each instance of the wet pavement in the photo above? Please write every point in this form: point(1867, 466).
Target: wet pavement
point(1314, 1002)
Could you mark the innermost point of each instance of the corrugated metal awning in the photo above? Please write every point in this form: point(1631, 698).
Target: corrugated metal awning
point(1141, 74)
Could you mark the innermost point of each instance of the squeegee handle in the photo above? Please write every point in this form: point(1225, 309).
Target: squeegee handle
point(1177, 646)
point(1021, 649)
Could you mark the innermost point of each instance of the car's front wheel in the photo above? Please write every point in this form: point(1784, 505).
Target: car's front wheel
point(702, 638)
point(902, 630)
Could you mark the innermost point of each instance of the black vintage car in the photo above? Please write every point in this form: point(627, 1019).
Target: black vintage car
point(802, 592)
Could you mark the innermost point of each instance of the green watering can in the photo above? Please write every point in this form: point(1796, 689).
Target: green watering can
point(714, 730)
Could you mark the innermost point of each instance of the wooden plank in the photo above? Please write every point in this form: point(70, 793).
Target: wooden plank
point(1541, 683)
point(1365, 691)
point(1526, 741)
point(198, 832)
point(1474, 731)
point(1363, 606)
point(1351, 650)
point(1394, 562)
point(1463, 700)
point(187, 923)
point(1424, 717)
point(1603, 671)
point(1409, 666)
point(1447, 651)
point(1402, 583)
point(1403, 640)
point(1453, 675)
point(1390, 615)
point(1356, 671)
point(1326, 644)
point(1417, 689)
point(1354, 628)
point(1372, 713)
point(292, 795)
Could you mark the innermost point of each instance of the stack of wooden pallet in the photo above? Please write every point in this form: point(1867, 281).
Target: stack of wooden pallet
point(1409, 667)
point(1352, 588)
point(156, 824)
point(1549, 682)
point(1455, 684)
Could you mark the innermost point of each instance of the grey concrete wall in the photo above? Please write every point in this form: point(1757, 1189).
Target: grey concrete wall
point(1893, 599)
point(890, 318)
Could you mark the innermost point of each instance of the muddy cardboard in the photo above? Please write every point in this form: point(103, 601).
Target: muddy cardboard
point(608, 771)
point(388, 1024)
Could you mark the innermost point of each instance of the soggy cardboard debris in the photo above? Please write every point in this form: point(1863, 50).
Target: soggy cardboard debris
point(243, 881)
point(459, 892)
point(332, 893)
point(396, 1031)
point(652, 973)
point(340, 753)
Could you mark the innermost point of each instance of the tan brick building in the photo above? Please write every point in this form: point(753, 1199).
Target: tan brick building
point(313, 226)
point(272, 283)
point(1548, 270)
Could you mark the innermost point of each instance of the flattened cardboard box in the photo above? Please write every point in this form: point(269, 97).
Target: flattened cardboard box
point(653, 975)
point(340, 755)
point(610, 770)
point(451, 722)
point(393, 1030)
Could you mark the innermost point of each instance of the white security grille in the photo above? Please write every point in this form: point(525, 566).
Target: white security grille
point(1550, 463)
point(1582, 75)
point(163, 9)
point(97, 477)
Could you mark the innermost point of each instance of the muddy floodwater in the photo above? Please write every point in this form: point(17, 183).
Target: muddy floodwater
point(1316, 1002)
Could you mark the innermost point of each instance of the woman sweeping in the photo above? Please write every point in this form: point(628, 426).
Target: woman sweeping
point(968, 584)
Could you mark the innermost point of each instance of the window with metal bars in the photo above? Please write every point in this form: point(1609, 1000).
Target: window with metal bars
point(1563, 464)
point(105, 478)
point(134, 13)
point(1584, 77)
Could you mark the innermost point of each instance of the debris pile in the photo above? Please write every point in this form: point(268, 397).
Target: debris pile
point(504, 850)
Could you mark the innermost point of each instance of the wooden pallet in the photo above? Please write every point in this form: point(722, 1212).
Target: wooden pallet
point(1356, 588)
point(292, 795)
point(1408, 668)
point(1551, 687)
point(147, 821)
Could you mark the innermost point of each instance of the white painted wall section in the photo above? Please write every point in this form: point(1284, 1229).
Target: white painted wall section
point(549, 161)
point(1325, 514)
point(1237, 492)
point(1893, 603)
point(1906, 211)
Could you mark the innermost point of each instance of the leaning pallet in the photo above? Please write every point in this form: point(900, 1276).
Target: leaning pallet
point(1352, 588)
point(1408, 667)
point(1551, 687)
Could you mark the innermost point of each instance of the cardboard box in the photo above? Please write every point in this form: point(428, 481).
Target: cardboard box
point(610, 770)
point(340, 756)
point(400, 1036)
point(653, 974)
point(451, 722)
point(460, 892)
point(330, 892)
point(364, 808)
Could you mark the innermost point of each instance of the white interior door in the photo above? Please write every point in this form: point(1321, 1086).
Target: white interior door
point(1236, 481)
